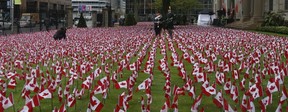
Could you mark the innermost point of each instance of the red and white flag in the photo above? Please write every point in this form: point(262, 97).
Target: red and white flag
point(122, 84)
point(265, 102)
point(218, 99)
point(71, 101)
point(45, 94)
point(284, 95)
point(166, 106)
point(8, 102)
point(95, 104)
point(244, 103)
point(196, 103)
point(60, 93)
point(12, 83)
point(32, 85)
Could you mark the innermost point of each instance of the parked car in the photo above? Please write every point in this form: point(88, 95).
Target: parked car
point(7, 25)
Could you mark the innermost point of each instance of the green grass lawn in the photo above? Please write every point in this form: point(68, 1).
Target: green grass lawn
point(184, 103)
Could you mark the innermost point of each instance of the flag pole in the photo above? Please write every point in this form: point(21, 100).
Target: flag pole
point(13, 102)
point(52, 102)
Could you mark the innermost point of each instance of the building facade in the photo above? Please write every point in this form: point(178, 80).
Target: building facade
point(252, 9)
point(87, 7)
point(45, 8)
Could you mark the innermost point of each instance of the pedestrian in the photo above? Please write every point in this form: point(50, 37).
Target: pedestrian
point(60, 34)
point(47, 24)
point(158, 24)
point(169, 23)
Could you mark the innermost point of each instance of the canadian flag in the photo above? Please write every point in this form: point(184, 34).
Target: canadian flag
point(200, 77)
point(71, 101)
point(122, 84)
point(175, 103)
point(207, 89)
point(97, 72)
point(165, 107)
point(27, 107)
point(103, 81)
point(8, 102)
point(118, 109)
point(60, 93)
point(272, 86)
point(86, 84)
point(132, 67)
point(191, 92)
point(264, 102)
point(32, 85)
point(220, 77)
point(255, 91)
point(242, 84)
point(284, 95)
point(227, 86)
point(95, 104)
point(244, 103)
point(12, 83)
point(196, 103)
point(144, 85)
point(45, 94)
point(234, 93)
point(62, 108)
point(213, 57)
point(142, 105)
point(178, 91)
point(235, 74)
point(98, 89)
point(218, 99)
point(227, 107)
point(250, 105)
point(279, 107)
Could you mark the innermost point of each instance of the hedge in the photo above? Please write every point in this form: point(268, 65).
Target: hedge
point(274, 29)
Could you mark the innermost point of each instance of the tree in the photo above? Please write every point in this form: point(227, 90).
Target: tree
point(82, 22)
point(176, 5)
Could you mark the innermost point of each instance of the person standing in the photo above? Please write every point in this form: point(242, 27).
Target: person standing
point(170, 23)
point(158, 24)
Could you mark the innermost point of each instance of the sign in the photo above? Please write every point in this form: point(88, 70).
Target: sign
point(17, 2)
point(81, 8)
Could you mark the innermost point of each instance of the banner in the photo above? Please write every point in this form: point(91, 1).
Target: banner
point(17, 2)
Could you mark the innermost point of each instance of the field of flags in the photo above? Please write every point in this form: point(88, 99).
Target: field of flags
point(129, 69)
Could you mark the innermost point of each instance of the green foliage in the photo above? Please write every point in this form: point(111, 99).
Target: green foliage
point(274, 29)
point(130, 20)
point(82, 22)
point(273, 19)
point(178, 5)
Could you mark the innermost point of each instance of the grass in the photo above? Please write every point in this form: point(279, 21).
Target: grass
point(184, 103)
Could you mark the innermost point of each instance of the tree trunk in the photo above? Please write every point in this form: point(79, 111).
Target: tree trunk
point(166, 4)
point(136, 3)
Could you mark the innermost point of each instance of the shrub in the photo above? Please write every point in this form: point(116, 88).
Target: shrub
point(82, 22)
point(273, 19)
point(274, 29)
point(130, 19)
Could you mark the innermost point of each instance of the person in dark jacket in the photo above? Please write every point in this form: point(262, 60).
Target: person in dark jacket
point(60, 34)
point(158, 24)
point(170, 23)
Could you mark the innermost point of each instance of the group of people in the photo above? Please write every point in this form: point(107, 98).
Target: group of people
point(166, 24)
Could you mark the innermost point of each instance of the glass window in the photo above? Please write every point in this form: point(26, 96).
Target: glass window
point(286, 4)
point(271, 5)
